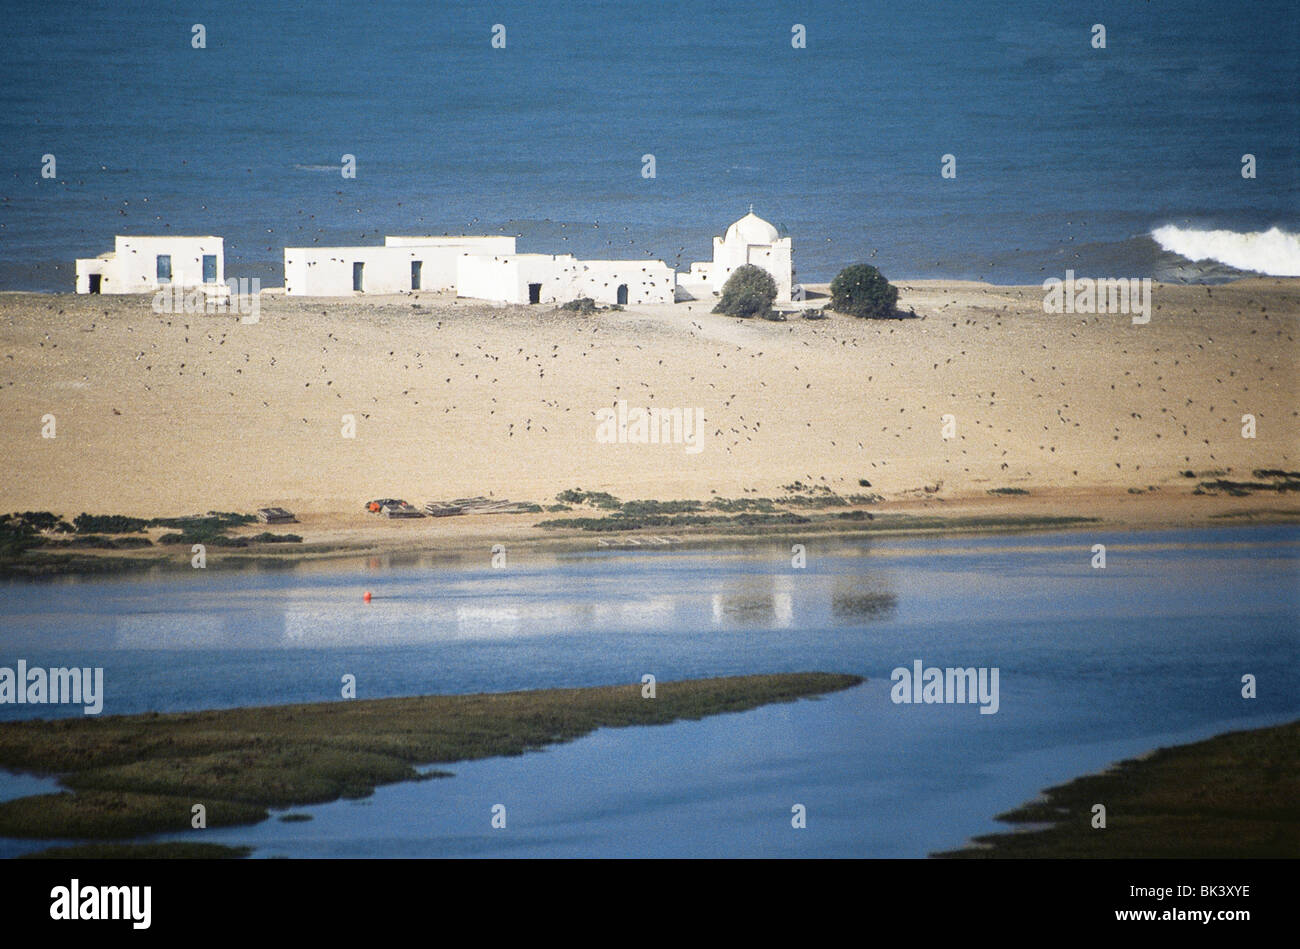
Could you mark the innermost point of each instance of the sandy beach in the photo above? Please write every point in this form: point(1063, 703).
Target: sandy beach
point(172, 414)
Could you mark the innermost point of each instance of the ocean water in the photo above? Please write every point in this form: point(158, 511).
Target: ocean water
point(1094, 665)
point(1109, 162)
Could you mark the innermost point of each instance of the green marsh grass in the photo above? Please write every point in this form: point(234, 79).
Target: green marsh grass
point(140, 774)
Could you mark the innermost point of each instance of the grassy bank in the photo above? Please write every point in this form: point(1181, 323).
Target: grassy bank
point(1234, 795)
point(141, 774)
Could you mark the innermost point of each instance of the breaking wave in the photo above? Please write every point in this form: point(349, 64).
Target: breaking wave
point(1273, 252)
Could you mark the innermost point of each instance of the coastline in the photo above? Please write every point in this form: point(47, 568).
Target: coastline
point(327, 537)
point(1231, 796)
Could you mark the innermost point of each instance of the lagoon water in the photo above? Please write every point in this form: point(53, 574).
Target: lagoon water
point(1067, 156)
point(1095, 665)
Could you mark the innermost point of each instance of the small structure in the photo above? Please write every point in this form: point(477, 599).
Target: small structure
point(275, 515)
point(149, 264)
point(482, 505)
point(400, 509)
point(443, 509)
point(400, 265)
point(751, 240)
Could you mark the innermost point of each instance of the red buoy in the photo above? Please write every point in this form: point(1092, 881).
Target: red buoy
point(367, 596)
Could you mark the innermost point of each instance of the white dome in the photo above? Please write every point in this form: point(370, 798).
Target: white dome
point(752, 229)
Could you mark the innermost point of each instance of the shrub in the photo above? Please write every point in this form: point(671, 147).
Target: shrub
point(108, 524)
point(749, 291)
point(266, 537)
point(107, 543)
point(600, 499)
point(582, 305)
point(862, 290)
point(211, 519)
point(40, 521)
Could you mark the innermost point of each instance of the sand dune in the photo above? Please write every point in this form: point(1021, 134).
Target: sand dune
point(175, 414)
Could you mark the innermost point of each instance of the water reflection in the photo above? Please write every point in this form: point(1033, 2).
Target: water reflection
point(863, 604)
point(459, 599)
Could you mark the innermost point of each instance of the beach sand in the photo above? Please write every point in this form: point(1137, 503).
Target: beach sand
point(171, 414)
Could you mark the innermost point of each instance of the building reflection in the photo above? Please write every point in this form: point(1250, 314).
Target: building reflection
point(774, 601)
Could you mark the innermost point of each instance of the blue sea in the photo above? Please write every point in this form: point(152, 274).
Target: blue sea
point(1122, 161)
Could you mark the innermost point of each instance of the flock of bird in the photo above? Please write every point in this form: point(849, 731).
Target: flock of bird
point(877, 395)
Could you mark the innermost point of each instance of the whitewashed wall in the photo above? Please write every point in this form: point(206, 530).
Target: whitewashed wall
point(648, 281)
point(563, 278)
point(327, 271)
point(505, 278)
point(132, 267)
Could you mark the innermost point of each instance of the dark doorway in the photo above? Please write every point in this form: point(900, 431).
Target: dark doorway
point(209, 268)
point(534, 293)
point(622, 294)
point(415, 273)
point(94, 282)
point(358, 276)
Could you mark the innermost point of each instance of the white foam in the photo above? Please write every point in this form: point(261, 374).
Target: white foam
point(1274, 252)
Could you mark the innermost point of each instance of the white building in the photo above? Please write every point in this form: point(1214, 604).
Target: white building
point(400, 265)
point(148, 264)
point(751, 240)
point(552, 278)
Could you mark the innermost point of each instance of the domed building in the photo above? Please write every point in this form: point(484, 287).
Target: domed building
point(751, 240)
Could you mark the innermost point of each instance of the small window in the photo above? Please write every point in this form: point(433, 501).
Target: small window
point(209, 268)
point(415, 274)
point(358, 276)
point(164, 268)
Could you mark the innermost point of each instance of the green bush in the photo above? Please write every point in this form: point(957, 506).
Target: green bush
point(600, 499)
point(266, 537)
point(40, 521)
point(107, 543)
point(862, 290)
point(749, 291)
point(108, 524)
point(212, 519)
